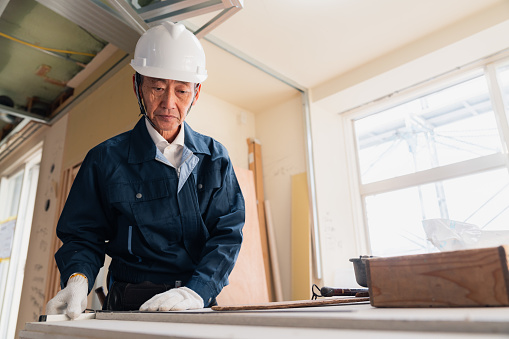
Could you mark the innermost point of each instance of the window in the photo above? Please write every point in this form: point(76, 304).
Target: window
point(17, 190)
point(441, 154)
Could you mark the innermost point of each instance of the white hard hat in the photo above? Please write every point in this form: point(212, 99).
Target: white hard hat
point(170, 51)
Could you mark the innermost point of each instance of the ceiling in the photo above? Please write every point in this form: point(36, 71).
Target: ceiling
point(314, 41)
point(274, 47)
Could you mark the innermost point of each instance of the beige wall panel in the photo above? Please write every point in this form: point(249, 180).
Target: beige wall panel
point(280, 131)
point(110, 110)
point(44, 221)
point(301, 238)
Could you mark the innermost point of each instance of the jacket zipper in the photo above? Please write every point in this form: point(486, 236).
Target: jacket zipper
point(183, 162)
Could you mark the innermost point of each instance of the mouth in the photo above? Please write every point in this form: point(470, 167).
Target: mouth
point(167, 117)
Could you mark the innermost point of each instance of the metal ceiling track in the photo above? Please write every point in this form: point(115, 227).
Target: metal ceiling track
point(3, 4)
point(22, 114)
point(98, 19)
point(145, 17)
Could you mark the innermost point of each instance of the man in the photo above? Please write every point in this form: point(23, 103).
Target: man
point(161, 200)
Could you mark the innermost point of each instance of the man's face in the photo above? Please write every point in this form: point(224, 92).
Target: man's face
point(167, 103)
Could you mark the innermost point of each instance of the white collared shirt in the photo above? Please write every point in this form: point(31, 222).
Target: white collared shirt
point(172, 152)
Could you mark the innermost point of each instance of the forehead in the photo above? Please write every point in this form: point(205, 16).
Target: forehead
point(152, 80)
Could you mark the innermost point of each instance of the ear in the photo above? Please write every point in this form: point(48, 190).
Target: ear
point(134, 85)
point(197, 94)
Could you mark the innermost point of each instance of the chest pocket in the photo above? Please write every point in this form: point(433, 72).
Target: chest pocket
point(154, 208)
point(207, 184)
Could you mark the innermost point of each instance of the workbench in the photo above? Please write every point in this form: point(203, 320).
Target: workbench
point(359, 320)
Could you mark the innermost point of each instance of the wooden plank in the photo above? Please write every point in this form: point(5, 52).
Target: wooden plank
point(290, 304)
point(301, 239)
point(255, 165)
point(477, 277)
point(274, 261)
point(248, 282)
point(53, 281)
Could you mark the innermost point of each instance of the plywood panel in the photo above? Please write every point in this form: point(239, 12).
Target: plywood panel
point(255, 165)
point(274, 260)
point(301, 239)
point(291, 304)
point(53, 281)
point(248, 281)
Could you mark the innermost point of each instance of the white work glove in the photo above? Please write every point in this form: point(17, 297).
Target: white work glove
point(176, 299)
point(72, 300)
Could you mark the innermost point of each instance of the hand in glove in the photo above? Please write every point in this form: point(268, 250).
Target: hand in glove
point(176, 299)
point(72, 300)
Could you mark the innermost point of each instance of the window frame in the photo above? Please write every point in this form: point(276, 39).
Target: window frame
point(29, 164)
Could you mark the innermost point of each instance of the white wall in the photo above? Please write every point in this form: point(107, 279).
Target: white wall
point(280, 131)
point(334, 203)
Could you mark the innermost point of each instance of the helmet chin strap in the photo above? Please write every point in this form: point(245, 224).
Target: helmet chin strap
point(143, 111)
point(194, 98)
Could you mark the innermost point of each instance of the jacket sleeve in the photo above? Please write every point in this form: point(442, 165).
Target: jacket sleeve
point(224, 218)
point(83, 224)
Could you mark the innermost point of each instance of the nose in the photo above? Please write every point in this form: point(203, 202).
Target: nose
point(168, 99)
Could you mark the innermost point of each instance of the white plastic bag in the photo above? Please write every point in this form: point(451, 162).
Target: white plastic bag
point(451, 235)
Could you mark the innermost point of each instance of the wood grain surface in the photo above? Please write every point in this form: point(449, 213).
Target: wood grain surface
point(476, 277)
point(290, 304)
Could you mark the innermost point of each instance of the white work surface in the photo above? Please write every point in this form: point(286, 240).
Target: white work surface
point(348, 321)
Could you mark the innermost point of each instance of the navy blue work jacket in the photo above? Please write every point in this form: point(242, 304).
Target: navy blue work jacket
point(157, 223)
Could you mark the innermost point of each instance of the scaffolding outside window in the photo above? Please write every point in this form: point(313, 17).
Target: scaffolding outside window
point(438, 155)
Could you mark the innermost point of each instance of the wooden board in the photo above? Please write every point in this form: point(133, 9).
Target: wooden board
point(477, 277)
point(53, 280)
point(274, 260)
point(290, 304)
point(301, 239)
point(255, 165)
point(248, 281)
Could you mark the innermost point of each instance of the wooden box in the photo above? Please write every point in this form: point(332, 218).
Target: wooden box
point(476, 277)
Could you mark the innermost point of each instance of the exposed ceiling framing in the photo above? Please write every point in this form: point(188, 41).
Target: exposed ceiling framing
point(61, 37)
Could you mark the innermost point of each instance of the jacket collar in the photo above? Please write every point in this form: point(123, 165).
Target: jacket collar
point(196, 142)
point(142, 147)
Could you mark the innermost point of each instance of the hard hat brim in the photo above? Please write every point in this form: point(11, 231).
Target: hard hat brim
point(156, 72)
